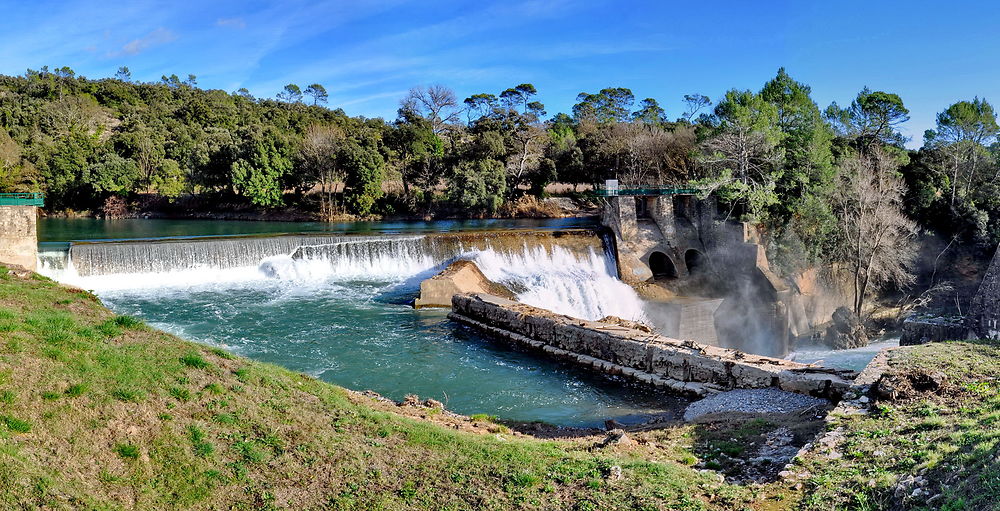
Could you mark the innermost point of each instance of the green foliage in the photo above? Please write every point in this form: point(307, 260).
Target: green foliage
point(363, 166)
point(478, 185)
point(258, 174)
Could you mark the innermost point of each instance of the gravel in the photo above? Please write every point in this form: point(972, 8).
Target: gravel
point(752, 401)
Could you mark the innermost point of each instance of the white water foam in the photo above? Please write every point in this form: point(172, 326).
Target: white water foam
point(567, 282)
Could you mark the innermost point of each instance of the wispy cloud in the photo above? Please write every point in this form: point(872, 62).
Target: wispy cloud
point(238, 23)
point(137, 46)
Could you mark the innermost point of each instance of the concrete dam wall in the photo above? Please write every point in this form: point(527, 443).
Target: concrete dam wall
point(620, 347)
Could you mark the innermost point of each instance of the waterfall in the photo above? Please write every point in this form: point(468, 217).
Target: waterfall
point(105, 258)
point(566, 272)
point(579, 285)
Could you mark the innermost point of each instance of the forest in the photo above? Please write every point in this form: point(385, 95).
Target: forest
point(820, 182)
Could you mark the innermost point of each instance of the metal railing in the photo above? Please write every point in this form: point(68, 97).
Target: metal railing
point(601, 191)
point(22, 199)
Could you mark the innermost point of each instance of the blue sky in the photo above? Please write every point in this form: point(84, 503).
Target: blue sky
point(368, 53)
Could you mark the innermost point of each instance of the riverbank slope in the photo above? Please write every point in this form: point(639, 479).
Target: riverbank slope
point(101, 411)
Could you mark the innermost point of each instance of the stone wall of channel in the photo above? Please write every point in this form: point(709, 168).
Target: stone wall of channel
point(984, 317)
point(18, 237)
point(621, 348)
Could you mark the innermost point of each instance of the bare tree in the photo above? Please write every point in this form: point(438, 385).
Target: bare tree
point(319, 160)
point(877, 237)
point(436, 103)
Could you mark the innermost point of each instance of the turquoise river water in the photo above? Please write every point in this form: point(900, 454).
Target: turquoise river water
point(334, 301)
point(346, 317)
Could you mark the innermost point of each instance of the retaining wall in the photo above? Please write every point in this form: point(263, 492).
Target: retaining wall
point(18, 237)
point(620, 348)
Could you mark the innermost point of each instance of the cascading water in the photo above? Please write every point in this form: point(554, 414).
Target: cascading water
point(337, 307)
point(576, 279)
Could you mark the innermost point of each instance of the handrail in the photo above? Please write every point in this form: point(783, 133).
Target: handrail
point(644, 190)
point(22, 199)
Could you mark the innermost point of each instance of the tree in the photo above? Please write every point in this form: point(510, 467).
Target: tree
point(419, 150)
point(478, 106)
point(745, 152)
point(613, 104)
point(650, 112)
point(478, 185)
point(320, 163)
point(291, 94)
point(363, 167)
point(113, 174)
point(257, 174)
point(876, 236)
point(436, 103)
point(872, 118)
point(518, 96)
point(694, 103)
point(318, 93)
point(124, 74)
point(807, 176)
point(963, 131)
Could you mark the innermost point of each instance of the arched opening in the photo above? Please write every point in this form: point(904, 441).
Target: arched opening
point(661, 266)
point(695, 261)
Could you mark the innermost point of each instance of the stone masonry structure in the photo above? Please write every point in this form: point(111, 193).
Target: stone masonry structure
point(18, 237)
point(984, 317)
point(621, 348)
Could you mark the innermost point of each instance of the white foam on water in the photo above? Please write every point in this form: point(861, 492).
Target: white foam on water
point(565, 281)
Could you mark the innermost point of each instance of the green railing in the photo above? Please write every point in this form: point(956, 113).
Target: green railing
point(601, 191)
point(22, 199)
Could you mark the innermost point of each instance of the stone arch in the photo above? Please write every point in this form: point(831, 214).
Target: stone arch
point(695, 261)
point(662, 267)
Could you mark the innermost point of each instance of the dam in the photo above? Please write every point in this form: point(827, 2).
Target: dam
point(337, 303)
point(338, 306)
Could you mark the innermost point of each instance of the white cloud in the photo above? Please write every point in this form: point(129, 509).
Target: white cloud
point(238, 23)
point(137, 46)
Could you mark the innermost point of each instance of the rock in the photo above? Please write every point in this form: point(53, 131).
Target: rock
point(618, 437)
point(458, 278)
point(614, 473)
point(846, 332)
point(434, 403)
point(611, 425)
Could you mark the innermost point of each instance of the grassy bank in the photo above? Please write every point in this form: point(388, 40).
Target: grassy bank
point(99, 411)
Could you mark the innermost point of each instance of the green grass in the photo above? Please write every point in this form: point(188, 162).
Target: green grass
point(948, 437)
point(99, 411)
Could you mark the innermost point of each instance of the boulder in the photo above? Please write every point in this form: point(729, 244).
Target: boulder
point(459, 277)
point(846, 332)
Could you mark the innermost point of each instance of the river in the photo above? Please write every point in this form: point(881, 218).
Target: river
point(342, 312)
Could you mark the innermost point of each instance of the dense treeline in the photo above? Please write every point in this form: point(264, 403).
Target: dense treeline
point(772, 156)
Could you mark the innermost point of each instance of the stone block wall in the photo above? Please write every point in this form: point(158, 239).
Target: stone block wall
point(621, 349)
point(18, 236)
point(984, 316)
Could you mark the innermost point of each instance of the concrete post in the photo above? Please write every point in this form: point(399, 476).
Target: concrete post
point(663, 215)
point(18, 236)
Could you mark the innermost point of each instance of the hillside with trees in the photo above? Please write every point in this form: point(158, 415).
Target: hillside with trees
point(834, 182)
